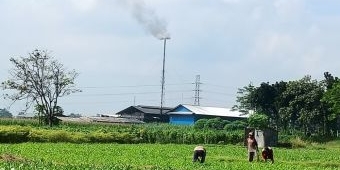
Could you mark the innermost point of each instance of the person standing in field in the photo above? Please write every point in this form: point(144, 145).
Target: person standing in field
point(199, 154)
point(251, 146)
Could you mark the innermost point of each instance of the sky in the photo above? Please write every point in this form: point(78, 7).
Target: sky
point(115, 47)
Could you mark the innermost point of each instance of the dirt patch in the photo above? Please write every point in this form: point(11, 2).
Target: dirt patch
point(11, 158)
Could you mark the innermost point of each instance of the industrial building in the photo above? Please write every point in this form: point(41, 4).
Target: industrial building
point(189, 114)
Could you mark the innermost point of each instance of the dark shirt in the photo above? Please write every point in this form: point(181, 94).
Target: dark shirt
point(267, 153)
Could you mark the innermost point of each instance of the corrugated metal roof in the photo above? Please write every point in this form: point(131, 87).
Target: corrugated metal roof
point(211, 111)
point(100, 119)
point(144, 109)
point(152, 109)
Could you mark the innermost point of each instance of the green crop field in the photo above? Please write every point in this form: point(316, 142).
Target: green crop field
point(158, 156)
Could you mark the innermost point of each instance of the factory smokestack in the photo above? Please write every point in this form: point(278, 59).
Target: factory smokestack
point(154, 25)
point(148, 18)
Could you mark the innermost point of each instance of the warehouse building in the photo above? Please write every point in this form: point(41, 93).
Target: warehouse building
point(189, 114)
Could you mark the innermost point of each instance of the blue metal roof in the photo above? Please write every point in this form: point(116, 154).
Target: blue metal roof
point(210, 111)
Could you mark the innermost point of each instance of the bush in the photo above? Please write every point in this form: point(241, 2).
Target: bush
point(235, 125)
point(100, 137)
point(258, 120)
point(13, 134)
point(38, 135)
point(298, 143)
point(215, 123)
point(93, 133)
point(200, 124)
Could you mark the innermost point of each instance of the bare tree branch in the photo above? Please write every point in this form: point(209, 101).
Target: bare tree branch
point(41, 80)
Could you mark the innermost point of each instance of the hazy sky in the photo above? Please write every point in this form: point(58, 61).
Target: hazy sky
point(113, 44)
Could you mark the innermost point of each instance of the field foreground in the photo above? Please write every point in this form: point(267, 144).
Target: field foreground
point(158, 156)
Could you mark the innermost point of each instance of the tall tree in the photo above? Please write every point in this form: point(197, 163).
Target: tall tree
point(245, 99)
point(332, 99)
point(329, 80)
point(264, 101)
point(41, 80)
point(280, 88)
point(304, 111)
point(329, 104)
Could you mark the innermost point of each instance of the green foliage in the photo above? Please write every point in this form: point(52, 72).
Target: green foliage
point(304, 109)
point(14, 134)
point(41, 80)
point(66, 156)
point(332, 98)
point(200, 124)
point(21, 122)
point(265, 99)
point(43, 117)
point(245, 99)
point(215, 123)
point(44, 135)
point(148, 133)
point(235, 125)
point(330, 80)
point(258, 120)
point(298, 143)
point(305, 105)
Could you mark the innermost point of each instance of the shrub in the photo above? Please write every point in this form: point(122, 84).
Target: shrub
point(258, 120)
point(13, 134)
point(36, 135)
point(200, 124)
point(100, 137)
point(235, 125)
point(215, 123)
point(298, 143)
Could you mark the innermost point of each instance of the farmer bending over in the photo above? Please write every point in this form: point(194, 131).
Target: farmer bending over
point(199, 154)
point(267, 153)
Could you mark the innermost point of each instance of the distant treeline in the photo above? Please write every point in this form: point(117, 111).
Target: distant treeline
point(306, 106)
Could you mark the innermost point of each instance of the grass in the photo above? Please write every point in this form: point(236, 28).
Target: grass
point(158, 156)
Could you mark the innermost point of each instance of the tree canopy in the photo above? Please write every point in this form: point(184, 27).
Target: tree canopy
point(40, 80)
point(305, 105)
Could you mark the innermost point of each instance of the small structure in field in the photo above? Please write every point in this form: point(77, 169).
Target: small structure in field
point(264, 137)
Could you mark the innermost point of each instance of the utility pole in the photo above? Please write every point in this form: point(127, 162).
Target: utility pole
point(197, 91)
point(163, 71)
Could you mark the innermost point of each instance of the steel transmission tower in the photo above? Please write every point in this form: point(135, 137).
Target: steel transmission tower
point(197, 91)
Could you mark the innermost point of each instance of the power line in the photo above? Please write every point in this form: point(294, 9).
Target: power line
point(130, 93)
point(123, 101)
point(225, 94)
point(220, 86)
point(129, 86)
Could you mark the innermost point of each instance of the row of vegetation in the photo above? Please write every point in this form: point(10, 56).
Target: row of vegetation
point(205, 131)
point(157, 157)
point(12, 131)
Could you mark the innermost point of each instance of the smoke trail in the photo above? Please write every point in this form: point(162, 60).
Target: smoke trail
point(148, 19)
